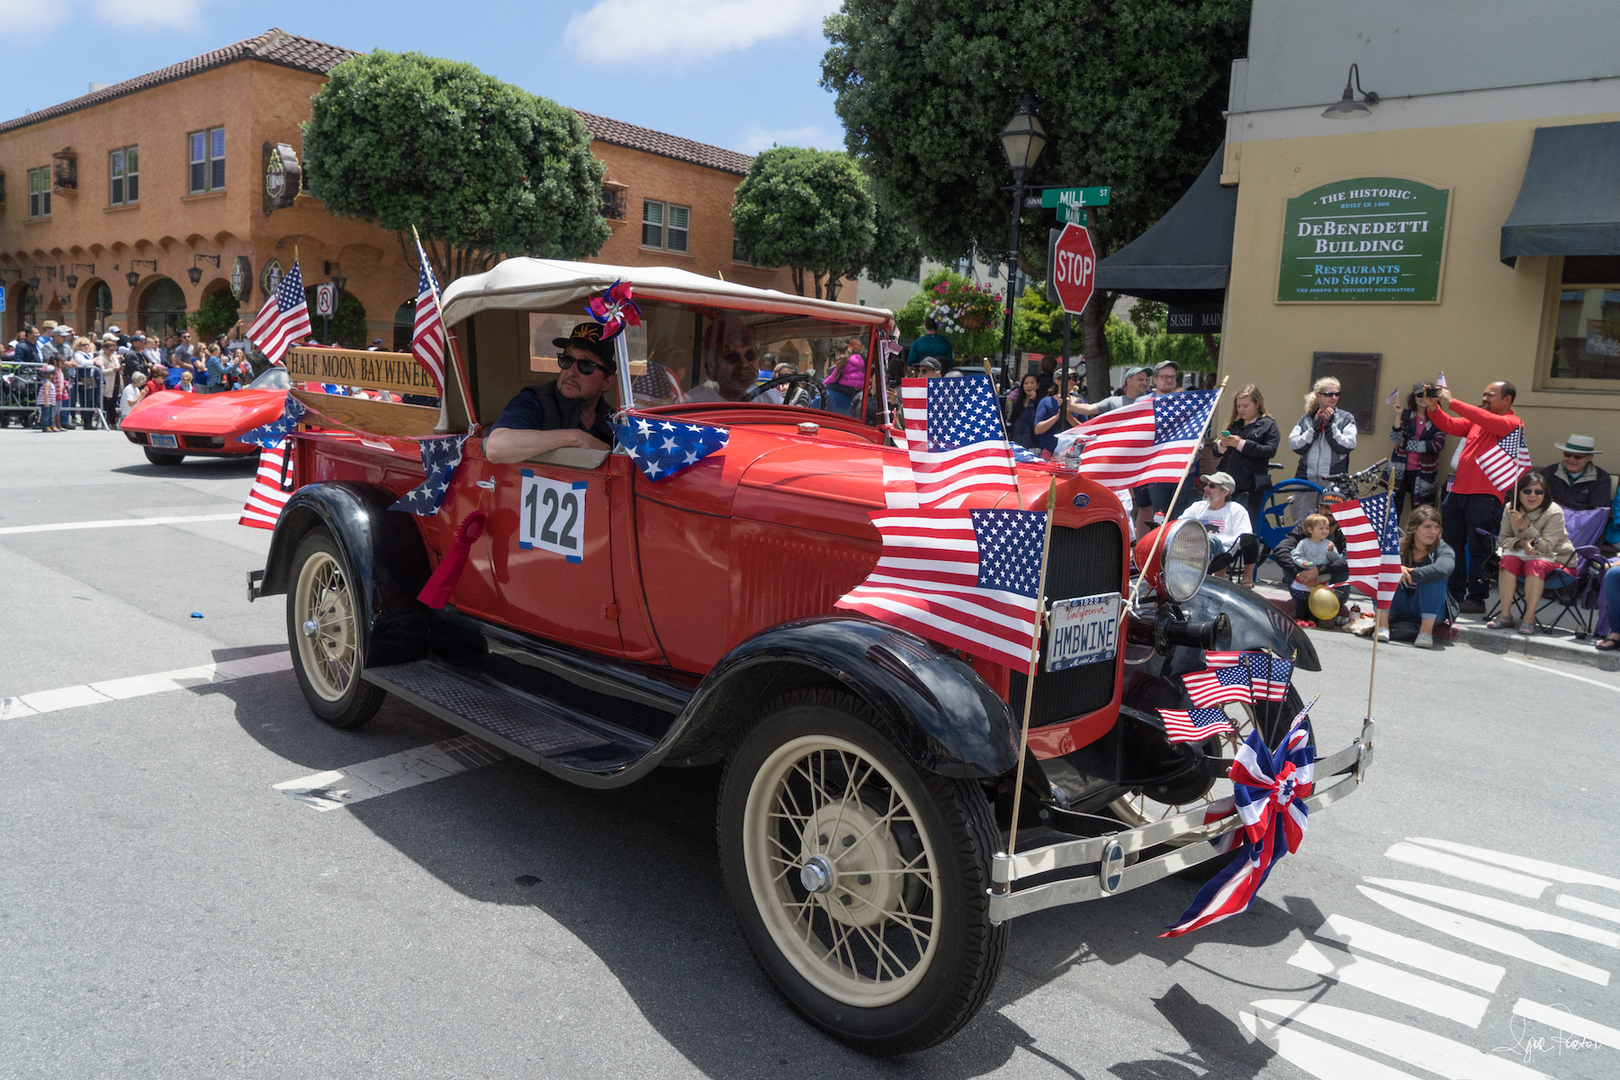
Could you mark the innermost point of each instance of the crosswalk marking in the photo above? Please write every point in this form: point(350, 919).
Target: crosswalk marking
point(73, 697)
point(1567, 1022)
point(1468, 870)
point(396, 772)
point(1586, 907)
point(1411, 1045)
point(1501, 911)
point(114, 523)
point(1393, 983)
point(1364, 937)
point(1486, 935)
point(1320, 1059)
point(1569, 875)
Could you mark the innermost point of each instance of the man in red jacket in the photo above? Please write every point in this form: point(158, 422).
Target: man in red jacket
point(1474, 503)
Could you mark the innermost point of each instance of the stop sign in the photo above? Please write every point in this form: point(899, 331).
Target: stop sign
point(1074, 266)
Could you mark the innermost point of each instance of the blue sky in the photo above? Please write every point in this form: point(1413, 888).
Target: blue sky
point(741, 74)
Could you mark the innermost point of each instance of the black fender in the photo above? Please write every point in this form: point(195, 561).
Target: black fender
point(1256, 624)
point(384, 553)
point(936, 708)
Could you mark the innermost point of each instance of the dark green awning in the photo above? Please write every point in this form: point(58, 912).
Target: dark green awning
point(1187, 254)
point(1569, 202)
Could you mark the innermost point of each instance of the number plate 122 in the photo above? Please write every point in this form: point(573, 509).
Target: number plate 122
point(551, 516)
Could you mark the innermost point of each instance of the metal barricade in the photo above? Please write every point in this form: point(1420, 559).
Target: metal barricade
point(83, 405)
point(19, 393)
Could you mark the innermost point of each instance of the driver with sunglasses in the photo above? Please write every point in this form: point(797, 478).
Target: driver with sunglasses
point(730, 361)
point(566, 412)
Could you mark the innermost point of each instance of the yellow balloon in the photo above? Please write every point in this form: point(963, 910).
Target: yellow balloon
point(1324, 603)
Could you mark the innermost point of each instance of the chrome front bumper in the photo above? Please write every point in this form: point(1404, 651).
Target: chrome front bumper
point(1106, 856)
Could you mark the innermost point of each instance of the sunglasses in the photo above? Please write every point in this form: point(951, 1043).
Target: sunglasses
point(1327, 393)
point(1532, 491)
point(1577, 457)
point(734, 356)
point(586, 367)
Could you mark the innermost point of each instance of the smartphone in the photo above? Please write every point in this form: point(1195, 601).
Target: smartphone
point(1224, 434)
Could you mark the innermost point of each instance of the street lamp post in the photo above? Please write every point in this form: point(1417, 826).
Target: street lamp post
point(1022, 140)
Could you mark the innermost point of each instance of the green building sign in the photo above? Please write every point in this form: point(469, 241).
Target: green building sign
point(1372, 239)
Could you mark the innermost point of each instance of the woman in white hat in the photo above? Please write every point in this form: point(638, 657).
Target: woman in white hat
point(1576, 483)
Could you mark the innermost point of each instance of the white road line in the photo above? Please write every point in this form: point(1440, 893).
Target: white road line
point(1556, 1016)
point(1320, 1059)
point(1555, 671)
point(1569, 875)
point(1586, 907)
point(396, 772)
point(1486, 935)
point(1500, 910)
point(1393, 983)
point(1409, 1045)
point(1412, 952)
point(72, 697)
point(117, 523)
point(1478, 873)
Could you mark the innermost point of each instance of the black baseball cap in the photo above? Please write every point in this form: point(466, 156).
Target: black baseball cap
point(587, 335)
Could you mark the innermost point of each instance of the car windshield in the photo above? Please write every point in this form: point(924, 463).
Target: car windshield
point(274, 378)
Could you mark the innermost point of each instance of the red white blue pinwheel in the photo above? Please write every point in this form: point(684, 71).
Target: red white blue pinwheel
point(1270, 789)
point(614, 310)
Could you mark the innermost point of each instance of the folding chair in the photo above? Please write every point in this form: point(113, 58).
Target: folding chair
point(1575, 592)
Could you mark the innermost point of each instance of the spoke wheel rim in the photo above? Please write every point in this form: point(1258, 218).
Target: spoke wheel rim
point(1138, 809)
point(330, 655)
point(870, 938)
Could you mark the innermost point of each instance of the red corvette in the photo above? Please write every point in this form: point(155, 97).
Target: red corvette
point(169, 424)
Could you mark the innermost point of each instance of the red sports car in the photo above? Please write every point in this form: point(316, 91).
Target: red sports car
point(169, 424)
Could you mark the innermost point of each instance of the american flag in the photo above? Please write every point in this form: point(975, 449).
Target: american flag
point(1268, 675)
point(1222, 659)
point(965, 578)
point(1269, 793)
point(957, 444)
point(267, 496)
point(1218, 685)
point(427, 339)
point(1372, 545)
point(1150, 440)
point(283, 319)
point(662, 448)
point(273, 435)
point(439, 460)
point(1194, 725)
point(1505, 462)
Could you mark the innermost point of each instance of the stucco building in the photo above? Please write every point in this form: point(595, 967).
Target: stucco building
point(133, 203)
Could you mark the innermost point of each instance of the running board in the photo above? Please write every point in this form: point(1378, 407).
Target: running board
point(544, 733)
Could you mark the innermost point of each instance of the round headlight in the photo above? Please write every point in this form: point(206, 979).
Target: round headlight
point(1184, 559)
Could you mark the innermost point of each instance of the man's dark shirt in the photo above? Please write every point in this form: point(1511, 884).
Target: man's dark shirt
point(1593, 493)
point(27, 352)
point(542, 408)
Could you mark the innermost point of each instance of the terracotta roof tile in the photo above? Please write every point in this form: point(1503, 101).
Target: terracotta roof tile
point(272, 46)
point(618, 133)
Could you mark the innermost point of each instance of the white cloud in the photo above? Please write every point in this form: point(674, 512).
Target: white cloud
point(16, 15)
point(627, 31)
point(756, 139)
point(180, 14)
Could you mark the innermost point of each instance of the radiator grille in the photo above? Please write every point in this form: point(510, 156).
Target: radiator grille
point(1084, 562)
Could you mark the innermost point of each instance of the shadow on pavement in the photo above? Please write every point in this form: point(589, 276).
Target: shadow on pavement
point(192, 468)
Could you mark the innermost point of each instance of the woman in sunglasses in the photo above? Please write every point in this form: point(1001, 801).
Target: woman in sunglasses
point(1323, 438)
point(1533, 544)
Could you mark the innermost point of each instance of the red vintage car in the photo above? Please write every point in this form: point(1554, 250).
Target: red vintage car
point(170, 424)
point(607, 624)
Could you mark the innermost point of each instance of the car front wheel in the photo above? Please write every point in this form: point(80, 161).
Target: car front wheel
point(161, 457)
point(323, 627)
point(859, 881)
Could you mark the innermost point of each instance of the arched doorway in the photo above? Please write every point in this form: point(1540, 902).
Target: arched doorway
point(162, 309)
point(18, 303)
point(404, 326)
point(97, 309)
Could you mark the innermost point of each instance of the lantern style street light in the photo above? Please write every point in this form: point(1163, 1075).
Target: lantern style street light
point(1347, 107)
point(134, 277)
point(1022, 140)
point(194, 272)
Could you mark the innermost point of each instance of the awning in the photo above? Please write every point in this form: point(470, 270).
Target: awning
point(1186, 256)
point(1569, 202)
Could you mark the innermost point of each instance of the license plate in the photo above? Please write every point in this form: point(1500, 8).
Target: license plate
point(1083, 631)
point(172, 442)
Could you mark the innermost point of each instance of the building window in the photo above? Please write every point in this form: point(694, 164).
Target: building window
point(665, 225)
point(124, 173)
point(39, 192)
point(915, 275)
point(613, 203)
point(1585, 351)
point(207, 159)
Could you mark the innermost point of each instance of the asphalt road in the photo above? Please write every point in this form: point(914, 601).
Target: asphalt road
point(167, 910)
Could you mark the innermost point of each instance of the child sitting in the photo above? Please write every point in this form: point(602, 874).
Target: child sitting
point(1318, 562)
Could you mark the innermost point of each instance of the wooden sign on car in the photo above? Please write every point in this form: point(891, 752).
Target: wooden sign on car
point(397, 372)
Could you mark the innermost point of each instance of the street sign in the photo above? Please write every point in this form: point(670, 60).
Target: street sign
point(326, 298)
point(1073, 215)
point(1074, 266)
point(1075, 196)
